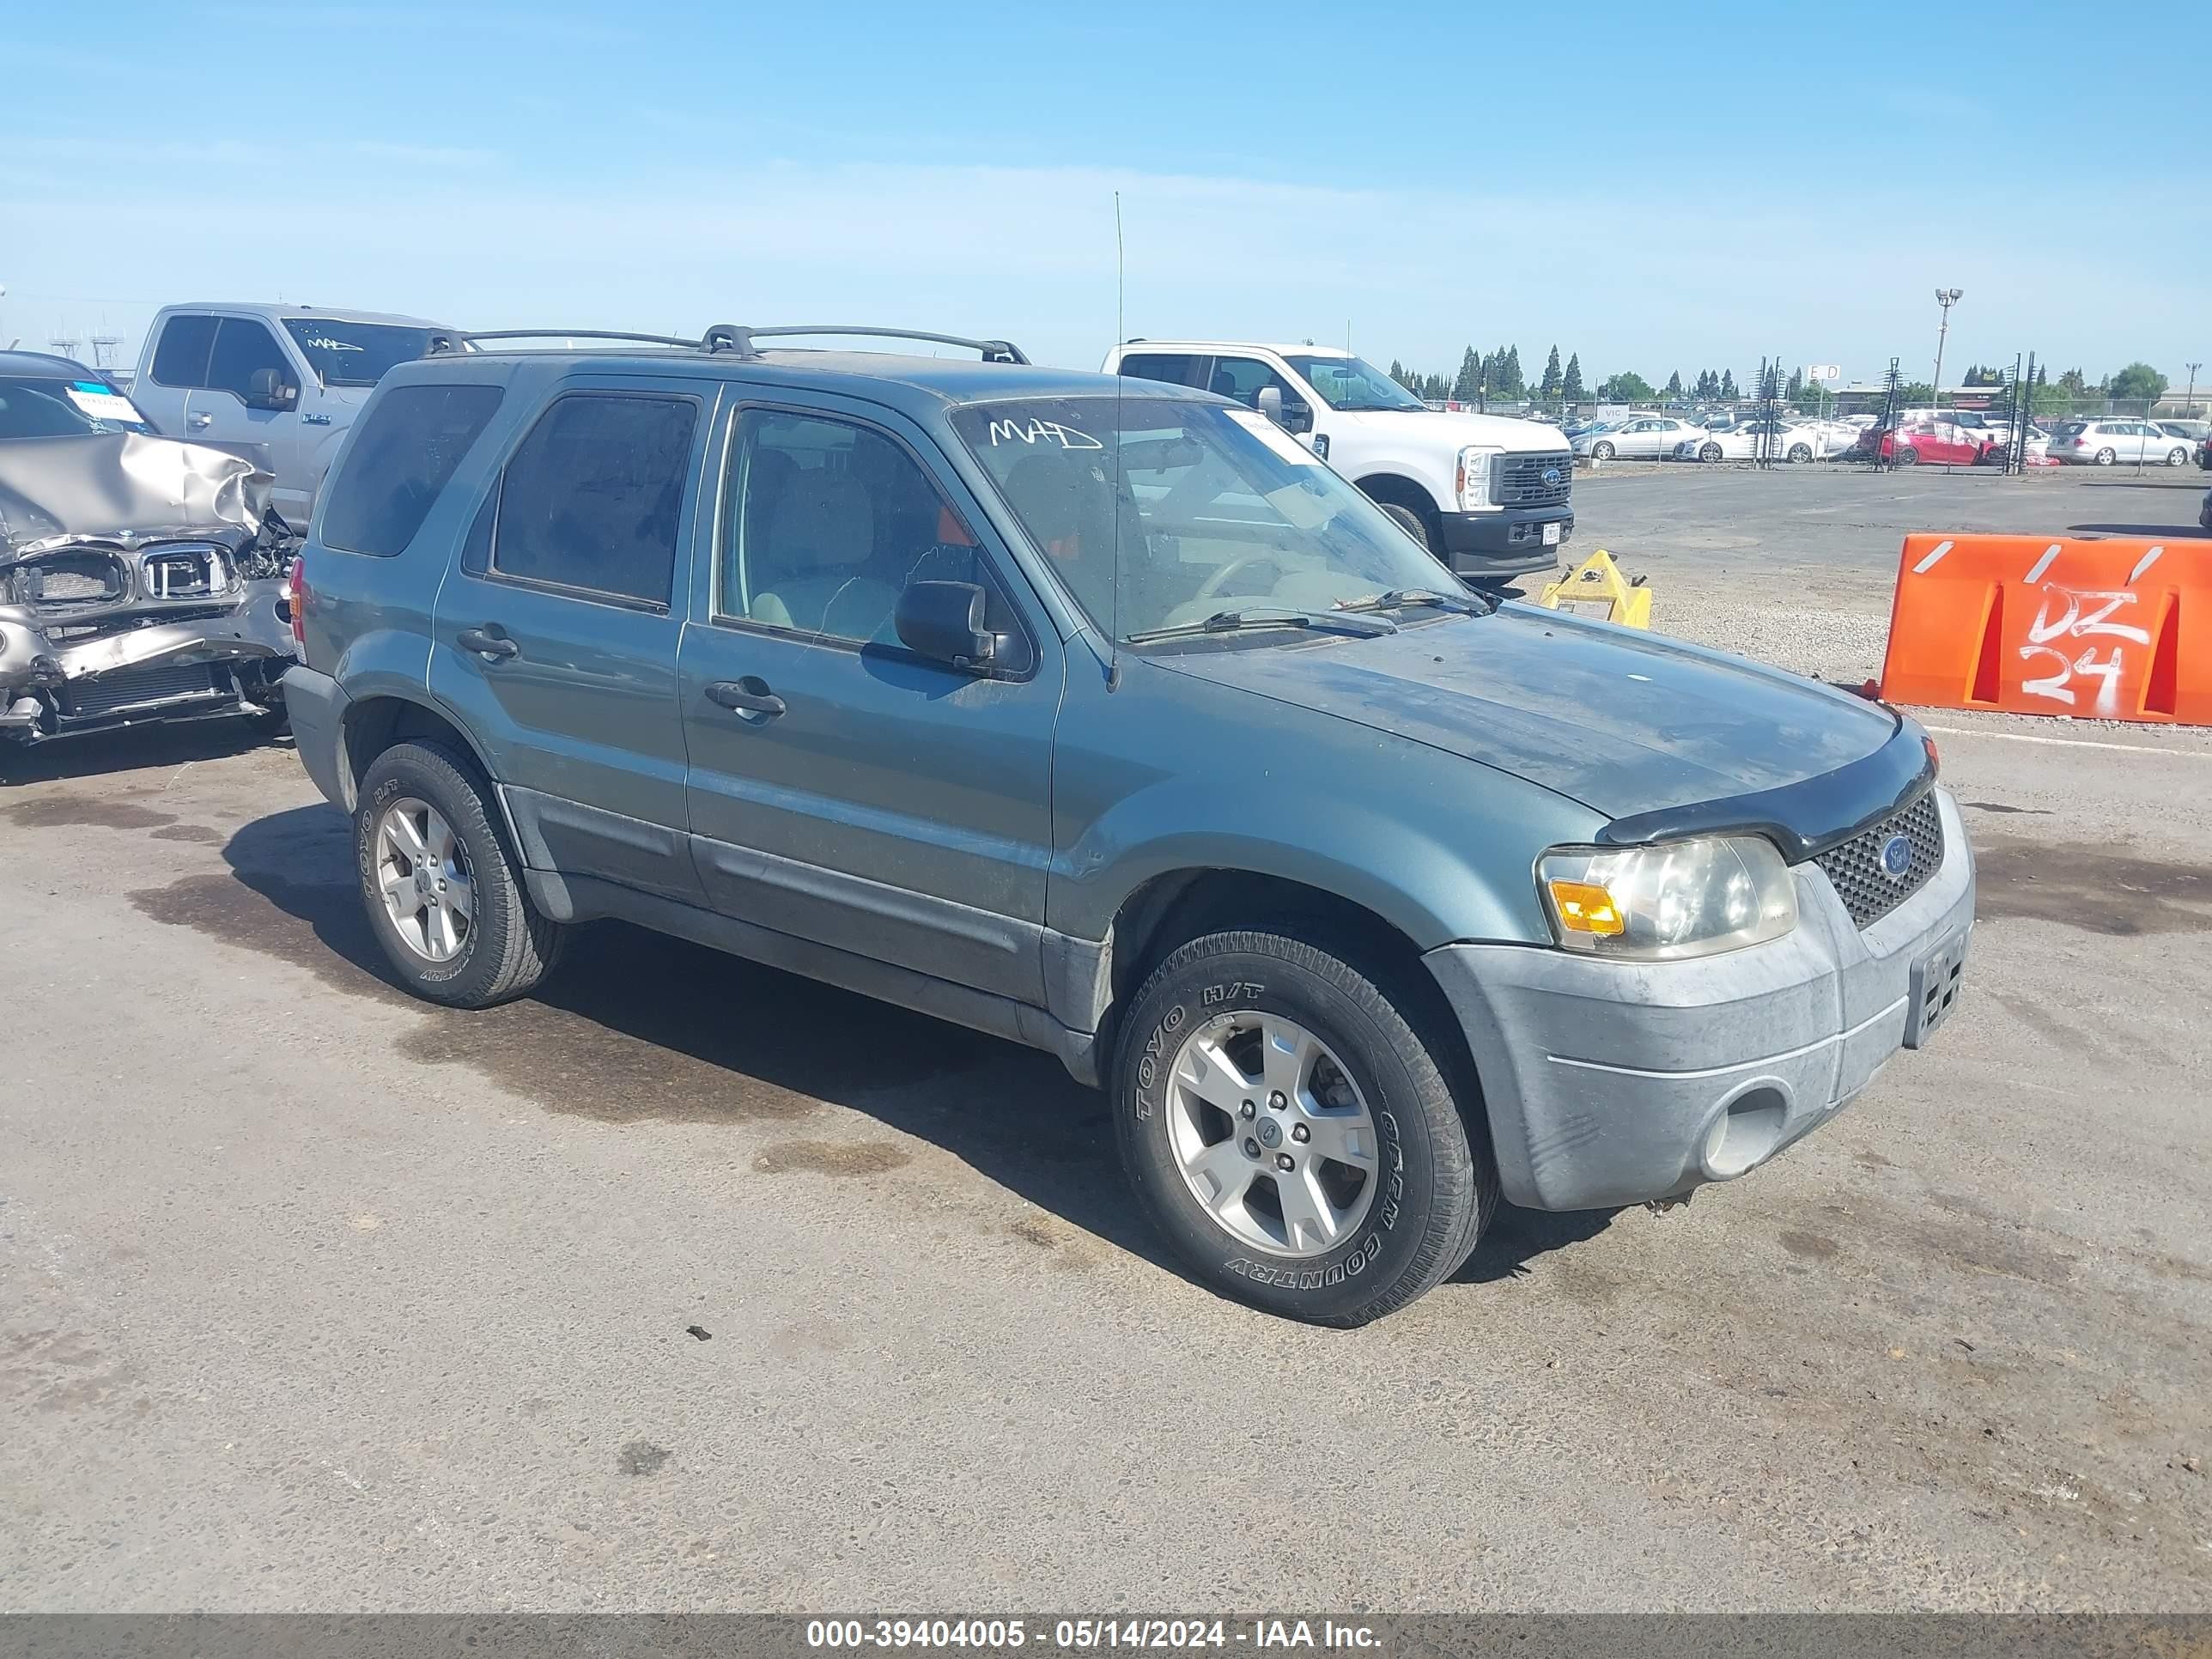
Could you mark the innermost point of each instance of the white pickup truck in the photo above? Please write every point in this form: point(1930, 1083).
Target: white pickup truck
point(1494, 496)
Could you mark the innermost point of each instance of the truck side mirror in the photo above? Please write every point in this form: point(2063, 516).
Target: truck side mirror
point(1290, 417)
point(266, 389)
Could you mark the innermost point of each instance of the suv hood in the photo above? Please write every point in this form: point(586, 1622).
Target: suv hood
point(1450, 431)
point(1625, 723)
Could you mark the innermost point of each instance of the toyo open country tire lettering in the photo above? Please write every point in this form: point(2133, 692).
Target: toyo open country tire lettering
point(1200, 1105)
point(421, 802)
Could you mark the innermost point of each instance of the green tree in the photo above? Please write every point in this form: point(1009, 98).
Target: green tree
point(1674, 385)
point(2138, 380)
point(2074, 384)
point(1550, 387)
point(1470, 376)
point(1509, 383)
point(1727, 390)
point(1571, 385)
point(1797, 385)
point(1626, 387)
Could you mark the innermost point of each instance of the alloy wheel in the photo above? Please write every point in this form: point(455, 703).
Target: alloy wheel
point(1271, 1135)
point(423, 873)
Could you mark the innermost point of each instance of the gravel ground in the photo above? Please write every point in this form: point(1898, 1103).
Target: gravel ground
point(689, 1285)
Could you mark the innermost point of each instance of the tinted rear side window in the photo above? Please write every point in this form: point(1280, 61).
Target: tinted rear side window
point(181, 359)
point(406, 449)
point(1174, 368)
point(593, 498)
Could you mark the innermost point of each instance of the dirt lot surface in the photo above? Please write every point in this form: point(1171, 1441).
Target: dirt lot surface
point(691, 1284)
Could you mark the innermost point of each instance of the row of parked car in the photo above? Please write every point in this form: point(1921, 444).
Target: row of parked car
point(1946, 437)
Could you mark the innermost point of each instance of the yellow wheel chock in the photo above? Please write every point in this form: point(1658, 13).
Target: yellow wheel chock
point(1598, 578)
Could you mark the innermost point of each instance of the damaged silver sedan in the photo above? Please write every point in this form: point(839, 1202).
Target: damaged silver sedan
point(141, 579)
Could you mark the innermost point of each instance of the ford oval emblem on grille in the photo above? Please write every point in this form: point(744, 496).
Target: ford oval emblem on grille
point(1897, 857)
point(1551, 476)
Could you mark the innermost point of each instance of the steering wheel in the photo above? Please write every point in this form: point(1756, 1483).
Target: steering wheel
point(1219, 579)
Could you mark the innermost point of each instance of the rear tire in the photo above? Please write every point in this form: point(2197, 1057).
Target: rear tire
point(2105, 457)
point(1905, 456)
point(1798, 455)
point(505, 947)
point(1424, 1189)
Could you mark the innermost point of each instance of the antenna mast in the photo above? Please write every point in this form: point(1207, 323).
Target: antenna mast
point(1113, 636)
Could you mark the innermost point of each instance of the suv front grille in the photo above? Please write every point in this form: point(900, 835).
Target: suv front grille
point(1855, 867)
point(1520, 480)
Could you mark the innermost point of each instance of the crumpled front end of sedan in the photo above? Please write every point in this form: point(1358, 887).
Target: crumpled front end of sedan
point(141, 579)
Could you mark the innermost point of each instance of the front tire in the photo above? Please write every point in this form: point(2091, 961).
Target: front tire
point(1407, 520)
point(1290, 1127)
point(2177, 458)
point(1602, 451)
point(1711, 453)
point(443, 891)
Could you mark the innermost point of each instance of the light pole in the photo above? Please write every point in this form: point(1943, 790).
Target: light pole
point(1945, 297)
point(2190, 402)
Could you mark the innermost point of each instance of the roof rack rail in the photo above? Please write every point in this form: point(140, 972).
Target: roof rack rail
point(725, 337)
point(993, 351)
point(722, 338)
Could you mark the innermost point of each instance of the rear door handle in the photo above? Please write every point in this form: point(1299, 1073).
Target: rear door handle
point(489, 642)
point(749, 695)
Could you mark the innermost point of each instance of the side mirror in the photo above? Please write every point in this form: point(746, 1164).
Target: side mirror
point(266, 389)
point(1290, 417)
point(944, 622)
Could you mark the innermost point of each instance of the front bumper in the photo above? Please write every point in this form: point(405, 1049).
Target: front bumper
point(1611, 1083)
point(1508, 542)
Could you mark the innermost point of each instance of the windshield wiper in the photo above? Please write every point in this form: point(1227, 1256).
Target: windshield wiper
point(1272, 616)
point(1399, 599)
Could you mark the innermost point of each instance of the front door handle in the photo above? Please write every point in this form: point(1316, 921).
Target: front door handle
point(488, 643)
point(749, 695)
point(199, 420)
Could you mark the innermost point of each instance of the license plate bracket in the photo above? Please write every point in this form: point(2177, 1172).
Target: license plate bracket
point(1934, 984)
point(1552, 534)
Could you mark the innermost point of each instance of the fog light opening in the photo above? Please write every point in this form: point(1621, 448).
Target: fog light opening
point(1745, 1134)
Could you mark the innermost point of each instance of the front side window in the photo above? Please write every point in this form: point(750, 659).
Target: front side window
point(826, 522)
point(243, 346)
point(594, 497)
point(181, 359)
point(354, 354)
point(1242, 379)
point(402, 457)
point(1353, 384)
point(1155, 512)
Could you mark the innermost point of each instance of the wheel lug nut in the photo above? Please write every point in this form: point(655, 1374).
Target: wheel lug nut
point(1299, 1131)
point(1277, 1101)
point(1251, 1147)
point(1284, 1162)
point(1250, 1111)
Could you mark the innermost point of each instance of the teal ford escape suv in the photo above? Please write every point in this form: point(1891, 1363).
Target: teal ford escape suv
point(1101, 715)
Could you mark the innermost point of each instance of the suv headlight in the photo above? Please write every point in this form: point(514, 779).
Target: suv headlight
point(1471, 479)
point(1663, 902)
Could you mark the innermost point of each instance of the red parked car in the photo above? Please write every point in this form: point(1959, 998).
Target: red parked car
point(1942, 443)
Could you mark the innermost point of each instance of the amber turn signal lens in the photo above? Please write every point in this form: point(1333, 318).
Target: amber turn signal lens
point(1584, 906)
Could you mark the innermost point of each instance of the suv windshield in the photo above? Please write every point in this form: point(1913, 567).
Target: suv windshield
point(354, 354)
point(65, 409)
point(1353, 384)
point(1217, 512)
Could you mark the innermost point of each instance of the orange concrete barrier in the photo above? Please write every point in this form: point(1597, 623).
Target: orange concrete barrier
point(2118, 629)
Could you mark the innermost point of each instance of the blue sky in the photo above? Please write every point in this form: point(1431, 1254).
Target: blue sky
point(1653, 186)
